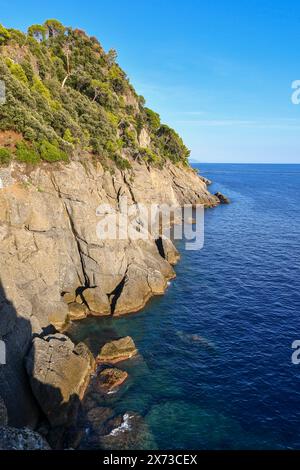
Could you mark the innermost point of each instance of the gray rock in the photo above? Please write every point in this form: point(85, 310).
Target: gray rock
point(21, 439)
point(59, 375)
point(3, 413)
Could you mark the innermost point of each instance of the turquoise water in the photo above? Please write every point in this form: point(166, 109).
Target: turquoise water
point(237, 388)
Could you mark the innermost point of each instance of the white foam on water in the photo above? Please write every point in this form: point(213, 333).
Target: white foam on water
point(125, 426)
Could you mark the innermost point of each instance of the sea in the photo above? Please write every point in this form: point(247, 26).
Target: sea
point(215, 367)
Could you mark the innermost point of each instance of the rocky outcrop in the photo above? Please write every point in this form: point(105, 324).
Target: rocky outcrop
point(59, 374)
point(21, 439)
point(54, 268)
point(130, 432)
point(223, 199)
point(205, 180)
point(110, 378)
point(117, 351)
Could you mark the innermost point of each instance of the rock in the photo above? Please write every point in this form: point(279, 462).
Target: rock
point(59, 374)
point(130, 432)
point(77, 311)
point(58, 314)
point(223, 199)
point(144, 138)
point(97, 302)
point(170, 252)
point(117, 351)
point(205, 180)
point(69, 297)
point(3, 413)
point(49, 246)
point(109, 379)
point(96, 417)
point(21, 439)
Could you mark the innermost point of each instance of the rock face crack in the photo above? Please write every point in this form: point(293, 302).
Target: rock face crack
point(75, 234)
point(160, 247)
point(116, 293)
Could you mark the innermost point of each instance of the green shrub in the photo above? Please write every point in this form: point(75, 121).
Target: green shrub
point(92, 110)
point(27, 154)
point(153, 119)
point(51, 152)
point(17, 71)
point(5, 156)
point(4, 34)
point(121, 162)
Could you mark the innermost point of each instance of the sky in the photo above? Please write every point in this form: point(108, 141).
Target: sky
point(219, 71)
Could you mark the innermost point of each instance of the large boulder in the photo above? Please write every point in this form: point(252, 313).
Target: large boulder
point(59, 374)
point(21, 439)
point(97, 301)
point(77, 311)
point(117, 351)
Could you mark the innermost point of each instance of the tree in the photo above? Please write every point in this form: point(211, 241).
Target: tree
point(112, 57)
point(67, 52)
point(54, 27)
point(4, 34)
point(38, 32)
point(96, 85)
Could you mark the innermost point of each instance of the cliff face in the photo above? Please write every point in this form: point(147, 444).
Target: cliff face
point(75, 135)
point(52, 258)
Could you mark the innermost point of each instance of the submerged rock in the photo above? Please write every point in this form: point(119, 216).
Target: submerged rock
point(21, 439)
point(223, 199)
point(111, 378)
point(187, 426)
point(59, 374)
point(96, 417)
point(131, 433)
point(117, 351)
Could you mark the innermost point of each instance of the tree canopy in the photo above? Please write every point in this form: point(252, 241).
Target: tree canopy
point(66, 95)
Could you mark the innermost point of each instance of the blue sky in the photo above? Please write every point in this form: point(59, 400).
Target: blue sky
point(218, 71)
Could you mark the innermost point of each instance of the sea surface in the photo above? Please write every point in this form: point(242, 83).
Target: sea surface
point(215, 368)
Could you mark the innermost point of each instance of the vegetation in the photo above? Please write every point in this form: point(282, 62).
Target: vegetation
point(5, 156)
point(65, 95)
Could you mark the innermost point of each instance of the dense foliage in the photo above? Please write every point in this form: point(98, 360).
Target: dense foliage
point(65, 95)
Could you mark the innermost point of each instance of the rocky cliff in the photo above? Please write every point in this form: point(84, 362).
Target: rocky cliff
point(75, 136)
point(53, 265)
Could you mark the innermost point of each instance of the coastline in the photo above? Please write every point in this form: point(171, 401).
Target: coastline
point(65, 250)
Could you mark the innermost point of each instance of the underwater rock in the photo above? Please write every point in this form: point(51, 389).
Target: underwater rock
point(109, 379)
point(131, 433)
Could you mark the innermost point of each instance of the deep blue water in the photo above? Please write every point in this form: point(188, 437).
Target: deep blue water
point(241, 294)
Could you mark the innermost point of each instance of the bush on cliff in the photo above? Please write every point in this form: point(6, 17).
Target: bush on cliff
point(62, 87)
point(5, 156)
point(51, 152)
point(27, 154)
